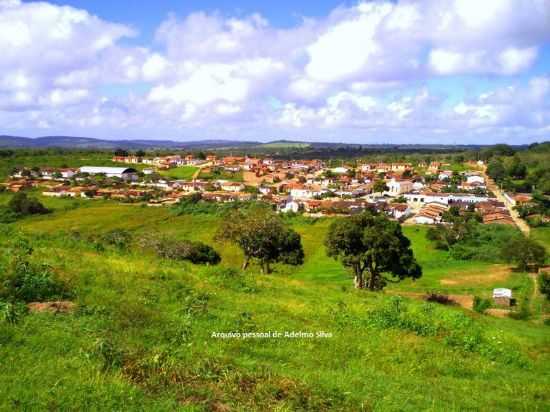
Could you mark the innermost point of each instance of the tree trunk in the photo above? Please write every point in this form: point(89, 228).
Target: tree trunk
point(372, 281)
point(245, 263)
point(267, 268)
point(358, 280)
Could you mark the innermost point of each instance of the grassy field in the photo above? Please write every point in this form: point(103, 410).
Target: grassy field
point(183, 173)
point(52, 159)
point(141, 338)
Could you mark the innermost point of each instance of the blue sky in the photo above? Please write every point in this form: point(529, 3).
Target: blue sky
point(368, 72)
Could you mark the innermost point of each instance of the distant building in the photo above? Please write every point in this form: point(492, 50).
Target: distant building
point(399, 187)
point(125, 173)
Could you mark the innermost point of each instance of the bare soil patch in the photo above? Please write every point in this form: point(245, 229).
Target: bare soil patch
point(62, 306)
point(465, 301)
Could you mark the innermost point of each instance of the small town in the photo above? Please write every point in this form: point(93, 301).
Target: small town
point(316, 206)
point(418, 194)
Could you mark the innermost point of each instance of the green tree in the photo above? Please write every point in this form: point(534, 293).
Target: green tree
point(527, 254)
point(371, 246)
point(22, 205)
point(496, 170)
point(262, 236)
point(379, 186)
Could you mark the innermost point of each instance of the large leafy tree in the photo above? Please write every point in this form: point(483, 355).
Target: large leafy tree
point(527, 254)
point(262, 236)
point(373, 248)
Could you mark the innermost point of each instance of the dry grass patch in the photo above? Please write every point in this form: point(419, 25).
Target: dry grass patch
point(496, 273)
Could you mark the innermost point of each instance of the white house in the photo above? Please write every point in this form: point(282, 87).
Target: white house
point(306, 192)
point(232, 186)
point(67, 173)
point(475, 179)
point(443, 198)
point(291, 206)
point(339, 170)
point(399, 187)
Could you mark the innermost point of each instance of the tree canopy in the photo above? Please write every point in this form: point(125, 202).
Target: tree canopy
point(528, 254)
point(372, 246)
point(262, 236)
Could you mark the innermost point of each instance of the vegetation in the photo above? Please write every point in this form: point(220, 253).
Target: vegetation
point(527, 254)
point(544, 284)
point(371, 245)
point(262, 236)
point(150, 330)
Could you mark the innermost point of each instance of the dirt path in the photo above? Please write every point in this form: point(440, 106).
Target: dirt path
point(199, 169)
point(493, 187)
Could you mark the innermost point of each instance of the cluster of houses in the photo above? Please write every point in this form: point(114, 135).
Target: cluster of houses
point(421, 193)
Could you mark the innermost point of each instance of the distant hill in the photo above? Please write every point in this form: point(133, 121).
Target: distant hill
point(75, 142)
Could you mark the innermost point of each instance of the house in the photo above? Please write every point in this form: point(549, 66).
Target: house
point(502, 296)
point(500, 217)
point(300, 191)
point(232, 186)
point(475, 179)
point(124, 173)
point(430, 214)
point(291, 206)
point(67, 173)
point(445, 175)
point(398, 210)
point(399, 187)
point(339, 170)
point(444, 198)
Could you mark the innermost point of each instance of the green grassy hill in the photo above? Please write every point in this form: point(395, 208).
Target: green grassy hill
point(141, 338)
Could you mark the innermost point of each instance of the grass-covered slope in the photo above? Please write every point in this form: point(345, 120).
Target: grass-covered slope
point(141, 338)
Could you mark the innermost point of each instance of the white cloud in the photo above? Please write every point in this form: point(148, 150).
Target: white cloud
point(361, 68)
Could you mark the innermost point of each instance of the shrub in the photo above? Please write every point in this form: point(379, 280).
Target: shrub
point(12, 312)
point(29, 282)
point(544, 284)
point(481, 305)
point(195, 252)
point(22, 205)
point(119, 238)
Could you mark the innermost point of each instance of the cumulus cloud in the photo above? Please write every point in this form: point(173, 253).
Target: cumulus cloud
point(362, 69)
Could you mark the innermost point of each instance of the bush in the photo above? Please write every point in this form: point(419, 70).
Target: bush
point(481, 305)
point(22, 205)
point(195, 252)
point(544, 284)
point(119, 238)
point(12, 312)
point(29, 282)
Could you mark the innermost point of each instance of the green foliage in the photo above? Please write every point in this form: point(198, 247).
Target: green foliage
point(119, 238)
point(544, 284)
point(379, 186)
point(20, 205)
point(195, 252)
point(27, 281)
point(481, 304)
point(373, 244)
point(11, 312)
point(263, 236)
point(527, 254)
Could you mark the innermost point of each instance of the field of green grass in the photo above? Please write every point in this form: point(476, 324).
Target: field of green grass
point(183, 173)
point(52, 159)
point(142, 336)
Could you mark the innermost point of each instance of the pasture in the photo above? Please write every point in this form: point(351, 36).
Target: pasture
point(142, 336)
